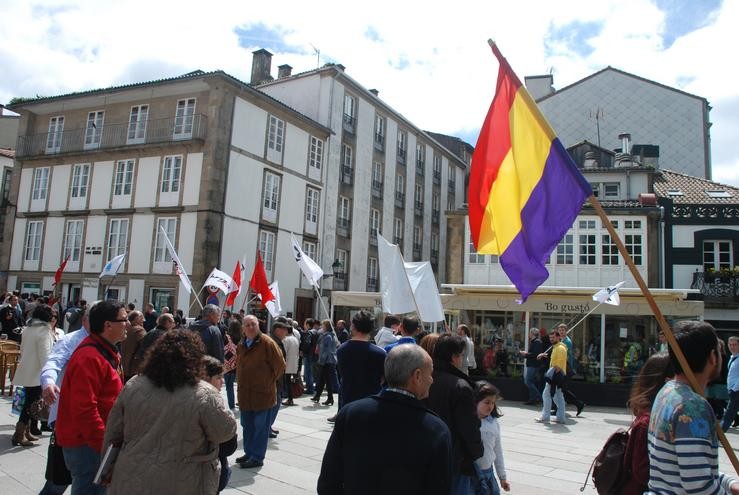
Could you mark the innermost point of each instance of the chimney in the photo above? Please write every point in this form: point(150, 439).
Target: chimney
point(539, 86)
point(591, 160)
point(284, 71)
point(374, 92)
point(261, 66)
point(625, 142)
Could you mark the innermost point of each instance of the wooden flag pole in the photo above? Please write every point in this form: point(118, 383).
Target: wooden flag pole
point(662, 322)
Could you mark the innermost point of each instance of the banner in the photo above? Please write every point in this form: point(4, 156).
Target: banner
point(397, 295)
point(310, 268)
point(111, 267)
point(221, 281)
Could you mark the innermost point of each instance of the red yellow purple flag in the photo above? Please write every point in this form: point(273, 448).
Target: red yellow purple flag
point(525, 190)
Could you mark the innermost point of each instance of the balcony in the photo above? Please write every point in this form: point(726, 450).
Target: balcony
point(372, 284)
point(348, 123)
point(416, 251)
point(420, 167)
point(373, 237)
point(377, 189)
point(399, 199)
point(452, 186)
point(344, 227)
point(379, 142)
point(399, 241)
point(340, 280)
point(347, 176)
point(418, 208)
point(437, 177)
point(718, 287)
point(435, 216)
point(434, 257)
point(401, 156)
point(112, 136)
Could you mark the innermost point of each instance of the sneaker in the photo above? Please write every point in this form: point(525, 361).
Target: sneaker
point(242, 459)
point(250, 463)
point(540, 420)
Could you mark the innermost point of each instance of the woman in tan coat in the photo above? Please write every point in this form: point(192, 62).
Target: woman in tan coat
point(169, 424)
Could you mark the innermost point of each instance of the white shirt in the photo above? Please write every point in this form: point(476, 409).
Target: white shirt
point(493, 453)
point(53, 370)
point(469, 353)
point(385, 337)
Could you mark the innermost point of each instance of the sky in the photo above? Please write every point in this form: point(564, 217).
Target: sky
point(431, 63)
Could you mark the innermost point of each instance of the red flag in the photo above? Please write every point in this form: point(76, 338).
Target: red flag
point(58, 274)
point(231, 299)
point(259, 282)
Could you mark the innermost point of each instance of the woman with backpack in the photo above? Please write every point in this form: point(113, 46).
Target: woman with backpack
point(653, 375)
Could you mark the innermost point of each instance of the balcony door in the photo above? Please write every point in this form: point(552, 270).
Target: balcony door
point(717, 255)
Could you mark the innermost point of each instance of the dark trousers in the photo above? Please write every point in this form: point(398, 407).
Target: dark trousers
point(32, 395)
point(327, 379)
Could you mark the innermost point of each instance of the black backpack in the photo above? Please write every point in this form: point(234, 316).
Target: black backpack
point(609, 472)
point(306, 343)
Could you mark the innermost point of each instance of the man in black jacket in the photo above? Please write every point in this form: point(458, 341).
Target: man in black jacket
point(390, 443)
point(452, 398)
point(531, 378)
point(210, 333)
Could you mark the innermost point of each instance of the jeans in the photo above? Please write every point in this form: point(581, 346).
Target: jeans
point(461, 484)
point(530, 379)
point(559, 400)
point(52, 489)
point(276, 408)
point(486, 484)
point(229, 379)
point(83, 464)
point(255, 425)
point(731, 410)
point(308, 373)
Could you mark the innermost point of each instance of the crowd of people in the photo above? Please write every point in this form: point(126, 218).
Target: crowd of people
point(147, 387)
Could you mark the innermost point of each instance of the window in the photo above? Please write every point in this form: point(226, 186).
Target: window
point(375, 219)
point(417, 237)
point(54, 138)
point(611, 190)
point(40, 183)
point(123, 180)
point(312, 198)
point(94, 129)
point(117, 237)
point(610, 251)
point(452, 175)
point(420, 154)
point(310, 249)
point(402, 145)
point(451, 203)
point(434, 244)
point(345, 211)
point(633, 247)
point(341, 257)
point(595, 186)
point(33, 240)
point(350, 105)
point(674, 192)
point(73, 240)
point(346, 158)
point(419, 195)
point(377, 175)
point(437, 167)
point(565, 250)
point(474, 258)
point(271, 191)
point(398, 231)
point(161, 253)
point(267, 250)
point(372, 272)
point(80, 177)
point(614, 223)
point(717, 255)
point(171, 172)
point(586, 224)
point(379, 129)
point(587, 249)
point(315, 159)
point(183, 118)
point(137, 124)
point(632, 224)
point(718, 193)
point(399, 184)
point(276, 136)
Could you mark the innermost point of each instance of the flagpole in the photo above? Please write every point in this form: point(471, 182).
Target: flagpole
point(197, 298)
point(664, 326)
point(578, 322)
point(320, 300)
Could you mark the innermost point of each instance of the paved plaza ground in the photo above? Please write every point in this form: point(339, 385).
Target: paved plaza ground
point(540, 459)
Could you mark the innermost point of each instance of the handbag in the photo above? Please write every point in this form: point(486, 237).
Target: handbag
point(39, 410)
point(19, 400)
point(56, 468)
point(296, 386)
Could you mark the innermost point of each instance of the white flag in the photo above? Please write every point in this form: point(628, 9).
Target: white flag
point(178, 268)
point(111, 267)
point(310, 268)
point(397, 295)
point(425, 291)
point(221, 281)
point(609, 295)
point(273, 305)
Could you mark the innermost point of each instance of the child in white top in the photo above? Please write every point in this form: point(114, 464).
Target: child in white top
point(487, 396)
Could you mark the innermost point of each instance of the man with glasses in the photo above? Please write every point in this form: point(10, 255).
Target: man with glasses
point(92, 381)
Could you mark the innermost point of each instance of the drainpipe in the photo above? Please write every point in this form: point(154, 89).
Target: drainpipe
point(661, 243)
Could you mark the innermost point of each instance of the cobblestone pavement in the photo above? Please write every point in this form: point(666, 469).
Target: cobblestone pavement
point(551, 459)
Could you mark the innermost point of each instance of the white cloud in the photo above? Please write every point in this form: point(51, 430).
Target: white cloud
point(449, 75)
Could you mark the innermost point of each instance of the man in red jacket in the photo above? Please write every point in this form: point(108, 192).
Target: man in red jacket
point(91, 384)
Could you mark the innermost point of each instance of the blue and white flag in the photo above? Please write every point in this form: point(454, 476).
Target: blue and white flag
point(111, 267)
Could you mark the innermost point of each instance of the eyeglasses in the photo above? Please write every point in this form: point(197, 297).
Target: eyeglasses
point(124, 320)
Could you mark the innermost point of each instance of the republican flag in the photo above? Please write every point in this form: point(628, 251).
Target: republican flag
point(111, 267)
point(58, 274)
point(310, 268)
point(231, 299)
point(259, 283)
point(525, 190)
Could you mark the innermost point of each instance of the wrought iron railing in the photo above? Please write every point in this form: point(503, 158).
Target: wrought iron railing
point(171, 129)
point(721, 286)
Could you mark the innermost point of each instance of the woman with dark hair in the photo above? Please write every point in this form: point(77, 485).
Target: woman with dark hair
point(38, 337)
point(169, 423)
point(653, 375)
point(327, 344)
point(130, 358)
point(233, 337)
